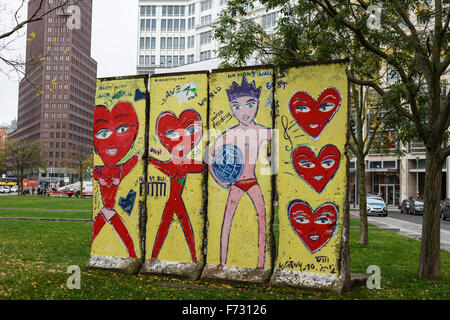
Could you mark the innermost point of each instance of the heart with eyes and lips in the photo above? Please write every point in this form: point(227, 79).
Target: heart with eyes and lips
point(316, 171)
point(313, 115)
point(114, 131)
point(179, 135)
point(314, 228)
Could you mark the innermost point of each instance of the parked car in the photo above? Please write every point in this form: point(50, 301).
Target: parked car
point(404, 206)
point(445, 209)
point(14, 189)
point(416, 207)
point(4, 189)
point(376, 206)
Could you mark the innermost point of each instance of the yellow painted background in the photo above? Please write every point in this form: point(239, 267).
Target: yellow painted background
point(243, 243)
point(107, 242)
point(312, 79)
point(175, 247)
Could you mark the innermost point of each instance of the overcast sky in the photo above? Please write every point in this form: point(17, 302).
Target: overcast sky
point(114, 32)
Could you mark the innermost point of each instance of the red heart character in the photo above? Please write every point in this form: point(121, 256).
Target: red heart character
point(313, 115)
point(316, 171)
point(316, 228)
point(179, 135)
point(114, 131)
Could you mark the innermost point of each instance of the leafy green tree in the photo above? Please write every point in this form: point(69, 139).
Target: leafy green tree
point(22, 158)
point(407, 45)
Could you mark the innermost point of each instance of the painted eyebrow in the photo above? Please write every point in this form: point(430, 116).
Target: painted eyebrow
point(326, 213)
point(333, 97)
point(302, 155)
point(121, 115)
point(98, 120)
point(189, 119)
point(251, 100)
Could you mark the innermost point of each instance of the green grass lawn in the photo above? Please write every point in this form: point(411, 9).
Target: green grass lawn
point(41, 202)
point(34, 256)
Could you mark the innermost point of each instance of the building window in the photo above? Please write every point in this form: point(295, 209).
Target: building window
point(205, 5)
point(182, 43)
point(142, 43)
point(181, 60)
point(147, 61)
point(153, 61)
point(163, 43)
point(175, 43)
point(176, 25)
point(163, 24)
point(147, 43)
point(182, 24)
point(269, 20)
point(175, 61)
point(205, 55)
point(162, 61)
point(205, 37)
point(205, 20)
point(191, 9)
point(169, 43)
point(169, 61)
point(141, 60)
point(169, 24)
point(153, 43)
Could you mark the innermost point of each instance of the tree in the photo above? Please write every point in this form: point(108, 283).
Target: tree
point(22, 158)
point(79, 160)
point(409, 42)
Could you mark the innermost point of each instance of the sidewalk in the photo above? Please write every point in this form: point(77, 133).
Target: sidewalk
point(404, 228)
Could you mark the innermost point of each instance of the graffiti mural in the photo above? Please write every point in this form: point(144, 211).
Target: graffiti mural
point(118, 134)
point(175, 173)
point(239, 195)
point(312, 164)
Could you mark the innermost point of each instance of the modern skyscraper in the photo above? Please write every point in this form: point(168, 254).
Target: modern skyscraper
point(57, 92)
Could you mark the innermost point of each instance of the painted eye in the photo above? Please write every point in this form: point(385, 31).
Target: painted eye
point(191, 131)
point(103, 133)
point(327, 163)
point(172, 134)
point(122, 129)
point(301, 219)
point(250, 105)
point(306, 164)
point(236, 106)
point(326, 107)
point(323, 220)
point(302, 109)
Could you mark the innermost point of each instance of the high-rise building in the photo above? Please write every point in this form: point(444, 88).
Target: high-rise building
point(57, 92)
point(178, 35)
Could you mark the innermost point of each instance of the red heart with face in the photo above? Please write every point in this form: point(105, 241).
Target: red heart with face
point(316, 228)
point(316, 171)
point(313, 115)
point(179, 135)
point(114, 131)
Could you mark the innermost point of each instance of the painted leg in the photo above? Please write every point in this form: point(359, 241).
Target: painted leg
point(166, 220)
point(258, 201)
point(187, 228)
point(124, 235)
point(98, 224)
point(232, 202)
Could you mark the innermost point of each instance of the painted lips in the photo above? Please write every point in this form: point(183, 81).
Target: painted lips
point(314, 228)
point(313, 115)
point(316, 171)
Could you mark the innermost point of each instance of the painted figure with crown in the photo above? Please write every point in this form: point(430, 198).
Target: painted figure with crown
point(232, 162)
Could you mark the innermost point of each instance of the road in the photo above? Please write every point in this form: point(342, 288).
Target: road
point(409, 225)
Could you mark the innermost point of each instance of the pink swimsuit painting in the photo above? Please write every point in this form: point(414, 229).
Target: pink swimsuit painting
point(232, 163)
point(115, 132)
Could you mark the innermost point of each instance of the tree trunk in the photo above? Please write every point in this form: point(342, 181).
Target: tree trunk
point(363, 224)
point(430, 259)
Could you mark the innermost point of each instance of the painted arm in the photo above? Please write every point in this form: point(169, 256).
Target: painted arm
point(164, 167)
point(129, 165)
point(195, 167)
point(96, 173)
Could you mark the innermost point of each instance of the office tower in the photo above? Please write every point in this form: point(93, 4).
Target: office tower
point(57, 93)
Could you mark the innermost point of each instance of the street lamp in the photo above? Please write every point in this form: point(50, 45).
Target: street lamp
point(417, 177)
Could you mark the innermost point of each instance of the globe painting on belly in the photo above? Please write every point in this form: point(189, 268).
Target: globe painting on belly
point(228, 163)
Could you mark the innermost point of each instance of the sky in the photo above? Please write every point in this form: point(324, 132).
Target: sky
point(114, 34)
